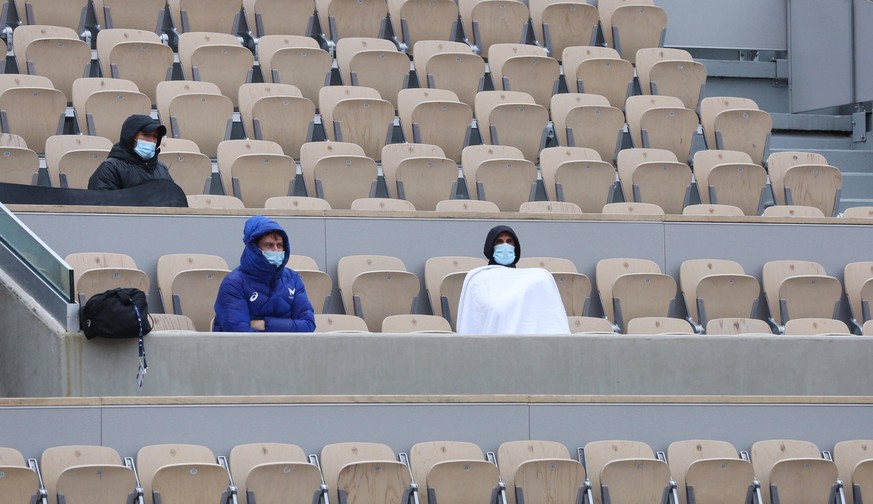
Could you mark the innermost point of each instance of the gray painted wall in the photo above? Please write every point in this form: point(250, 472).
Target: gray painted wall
point(737, 24)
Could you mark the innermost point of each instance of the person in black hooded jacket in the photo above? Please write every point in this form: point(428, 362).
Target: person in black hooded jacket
point(502, 247)
point(134, 159)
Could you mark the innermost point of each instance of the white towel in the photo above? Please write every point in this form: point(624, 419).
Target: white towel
point(501, 300)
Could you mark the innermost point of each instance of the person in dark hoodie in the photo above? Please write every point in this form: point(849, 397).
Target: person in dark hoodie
point(502, 246)
point(134, 159)
point(262, 295)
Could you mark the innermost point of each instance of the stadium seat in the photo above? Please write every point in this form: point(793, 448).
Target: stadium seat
point(32, 112)
point(278, 113)
point(96, 272)
point(588, 120)
point(19, 482)
point(817, 186)
point(550, 207)
point(365, 173)
point(577, 175)
point(171, 322)
point(738, 326)
point(712, 210)
point(661, 122)
point(671, 72)
point(650, 175)
point(467, 206)
point(351, 18)
point(295, 60)
point(339, 323)
point(271, 472)
point(709, 469)
point(561, 24)
point(632, 208)
point(218, 58)
point(168, 469)
point(575, 288)
point(417, 20)
point(374, 287)
point(631, 288)
point(659, 325)
point(856, 277)
point(364, 473)
point(102, 105)
point(132, 14)
point(504, 179)
point(214, 201)
point(540, 471)
point(590, 325)
point(71, 14)
point(279, 17)
point(436, 269)
point(736, 124)
point(318, 284)
point(717, 288)
point(435, 116)
point(858, 212)
point(800, 289)
point(171, 265)
point(205, 118)
point(731, 178)
point(170, 144)
point(192, 171)
point(54, 52)
point(792, 471)
point(779, 162)
point(606, 465)
point(382, 205)
point(815, 326)
point(411, 323)
point(365, 118)
point(853, 464)
point(631, 26)
point(598, 70)
point(136, 55)
point(221, 16)
point(296, 203)
point(512, 118)
point(450, 65)
point(85, 472)
point(448, 460)
point(255, 170)
point(525, 68)
point(20, 165)
point(374, 63)
point(488, 22)
point(83, 154)
point(421, 179)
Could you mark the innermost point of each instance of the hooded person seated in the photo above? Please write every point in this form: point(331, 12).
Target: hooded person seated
point(500, 299)
point(261, 294)
point(133, 160)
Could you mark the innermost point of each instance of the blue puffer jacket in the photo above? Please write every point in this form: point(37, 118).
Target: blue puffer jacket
point(257, 290)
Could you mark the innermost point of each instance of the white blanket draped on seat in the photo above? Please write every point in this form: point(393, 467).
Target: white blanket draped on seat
point(500, 300)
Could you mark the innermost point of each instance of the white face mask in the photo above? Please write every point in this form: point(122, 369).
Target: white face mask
point(274, 257)
point(504, 254)
point(145, 149)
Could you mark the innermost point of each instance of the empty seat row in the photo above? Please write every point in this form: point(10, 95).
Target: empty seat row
point(606, 471)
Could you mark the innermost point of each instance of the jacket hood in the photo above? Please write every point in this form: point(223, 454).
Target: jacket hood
point(489, 244)
point(252, 262)
point(126, 142)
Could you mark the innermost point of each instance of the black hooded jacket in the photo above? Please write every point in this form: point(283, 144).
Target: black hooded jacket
point(489, 244)
point(124, 167)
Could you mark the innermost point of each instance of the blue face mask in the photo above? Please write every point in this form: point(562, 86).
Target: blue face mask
point(146, 150)
point(504, 254)
point(274, 258)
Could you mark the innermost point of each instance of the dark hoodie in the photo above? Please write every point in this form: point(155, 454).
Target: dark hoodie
point(257, 290)
point(489, 244)
point(124, 167)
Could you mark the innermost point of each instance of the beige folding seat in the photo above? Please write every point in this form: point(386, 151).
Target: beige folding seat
point(19, 482)
point(575, 288)
point(382, 205)
point(435, 116)
point(853, 465)
point(351, 18)
point(550, 207)
point(588, 120)
point(171, 265)
point(296, 203)
point(730, 177)
point(93, 149)
point(858, 212)
point(346, 154)
point(717, 288)
point(512, 118)
point(540, 471)
point(816, 326)
point(671, 72)
point(817, 186)
point(709, 469)
point(54, 52)
point(318, 284)
point(800, 289)
point(654, 176)
point(170, 144)
point(214, 201)
point(631, 288)
point(359, 115)
point(134, 14)
point(577, 175)
point(374, 287)
point(167, 90)
point(417, 20)
point(525, 68)
point(589, 325)
point(84, 261)
point(794, 469)
point(779, 162)
point(278, 113)
point(171, 322)
point(204, 117)
point(735, 124)
point(791, 211)
point(255, 170)
point(409, 323)
point(598, 70)
point(272, 472)
point(859, 290)
point(279, 17)
point(489, 22)
point(452, 471)
point(102, 104)
point(339, 323)
point(181, 473)
point(713, 210)
point(20, 165)
point(31, 112)
point(218, 58)
point(136, 55)
point(738, 326)
point(221, 16)
point(467, 206)
point(12, 140)
point(632, 208)
point(295, 60)
point(365, 473)
point(436, 269)
point(9, 81)
point(559, 24)
point(506, 180)
point(659, 325)
point(70, 14)
point(661, 122)
point(442, 64)
point(95, 281)
point(85, 473)
point(628, 469)
point(450, 296)
point(192, 171)
point(629, 26)
point(374, 63)
point(422, 180)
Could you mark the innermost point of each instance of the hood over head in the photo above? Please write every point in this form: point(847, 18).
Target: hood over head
point(489, 244)
point(136, 123)
point(252, 260)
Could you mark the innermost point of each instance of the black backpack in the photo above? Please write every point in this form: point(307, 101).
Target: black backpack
point(119, 313)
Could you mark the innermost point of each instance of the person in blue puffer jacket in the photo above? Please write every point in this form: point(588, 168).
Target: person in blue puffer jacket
point(262, 295)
